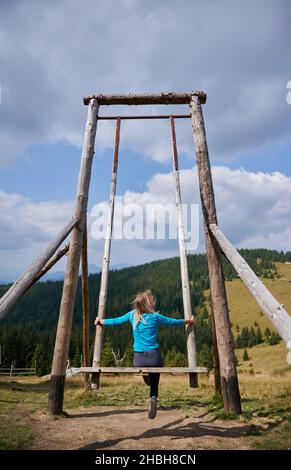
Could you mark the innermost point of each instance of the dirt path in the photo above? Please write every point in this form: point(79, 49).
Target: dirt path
point(129, 428)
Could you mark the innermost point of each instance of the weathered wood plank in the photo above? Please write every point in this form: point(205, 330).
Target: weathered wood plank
point(85, 304)
point(146, 98)
point(51, 262)
point(275, 311)
point(106, 259)
point(61, 350)
point(27, 278)
point(215, 355)
point(229, 382)
point(144, 370)
point(190, 335)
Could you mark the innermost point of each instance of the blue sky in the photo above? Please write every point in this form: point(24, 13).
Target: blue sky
point(50, 170)
point(52, 54)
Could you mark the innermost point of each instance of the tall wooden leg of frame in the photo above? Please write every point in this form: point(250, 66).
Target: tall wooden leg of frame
point(216, 368)
point(95, 378)
point(229, 381)
point(85, 306)
point(191, 347)
point(56, 393)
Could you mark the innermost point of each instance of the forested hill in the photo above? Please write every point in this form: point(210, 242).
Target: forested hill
point(40, 305)
point(32, 322)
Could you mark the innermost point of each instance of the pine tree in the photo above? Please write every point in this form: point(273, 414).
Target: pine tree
point(238, 342)
point(252, 338)
point(245, 355)
point(245, 336)
point(175, 358)
point(128, 360)
point(76, 361)
point(259, 336)
point(205, 357)
point(274, 338)
point(39, 360)
point(267, 333)
point(107, 359)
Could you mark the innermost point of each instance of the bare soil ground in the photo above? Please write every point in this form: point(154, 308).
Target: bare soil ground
point(129, 428)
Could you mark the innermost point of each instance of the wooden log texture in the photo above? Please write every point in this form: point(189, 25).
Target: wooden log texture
point(53, 260)
point(144, 370)
point(229, 382)
point(190, 335)
point(106, 259)
point(85, 304)
point(71, 278)
point(146, 98)
point(215, 355)
point(28, 277)
point(275, 311)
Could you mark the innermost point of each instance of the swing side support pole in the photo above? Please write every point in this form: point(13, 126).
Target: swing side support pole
point(95, 377)
point(191, 347)
point(61, 350)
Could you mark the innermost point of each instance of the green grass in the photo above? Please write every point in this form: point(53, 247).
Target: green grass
point(277, 439)
point(244, 310)
point(265, 383)
point(265, 400)
point(14, 436)
point(126, 391)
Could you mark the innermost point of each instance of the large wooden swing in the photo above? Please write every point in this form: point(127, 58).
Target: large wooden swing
point(215, 241)
point(192, 370)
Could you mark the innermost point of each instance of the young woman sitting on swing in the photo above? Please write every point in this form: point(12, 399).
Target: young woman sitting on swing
point(145, 322)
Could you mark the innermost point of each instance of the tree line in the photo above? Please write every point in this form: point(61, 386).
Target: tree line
point(27, 333)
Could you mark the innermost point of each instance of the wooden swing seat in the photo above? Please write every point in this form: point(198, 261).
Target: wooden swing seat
point(144, 370)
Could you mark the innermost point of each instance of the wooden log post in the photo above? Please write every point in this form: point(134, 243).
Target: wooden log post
point(27, 278)
point(191, 347)
point(274, 311)
point(145, 370)
point(229, 381)
point(215, 355)
point(95, 378)
point(51, 262)
point(85, 305)
point(146, 98)
point(58, 373)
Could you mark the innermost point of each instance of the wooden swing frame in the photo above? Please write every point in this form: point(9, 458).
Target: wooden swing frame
point(216, 245)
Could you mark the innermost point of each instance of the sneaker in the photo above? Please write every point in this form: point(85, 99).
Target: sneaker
point(153, 408)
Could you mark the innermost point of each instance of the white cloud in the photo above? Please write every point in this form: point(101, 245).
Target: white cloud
point(54, 53)
point(253, 211)
point(26, 227)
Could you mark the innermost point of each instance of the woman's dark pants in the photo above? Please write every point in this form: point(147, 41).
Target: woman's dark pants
point(150, 359)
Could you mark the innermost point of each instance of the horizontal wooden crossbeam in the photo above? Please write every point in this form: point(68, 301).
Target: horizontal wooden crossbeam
point(146, 98)
point(142, 116)
point(144, 370)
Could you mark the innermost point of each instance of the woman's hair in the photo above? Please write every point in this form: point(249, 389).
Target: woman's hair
point(144, 302)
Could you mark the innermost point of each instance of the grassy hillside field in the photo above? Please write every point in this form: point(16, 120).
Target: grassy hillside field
point(265, 384)
point(244, 310)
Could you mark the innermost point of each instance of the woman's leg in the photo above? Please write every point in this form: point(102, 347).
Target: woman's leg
point(154, 385)
point(155, 377)
point(146, 379)
point(150, 359)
